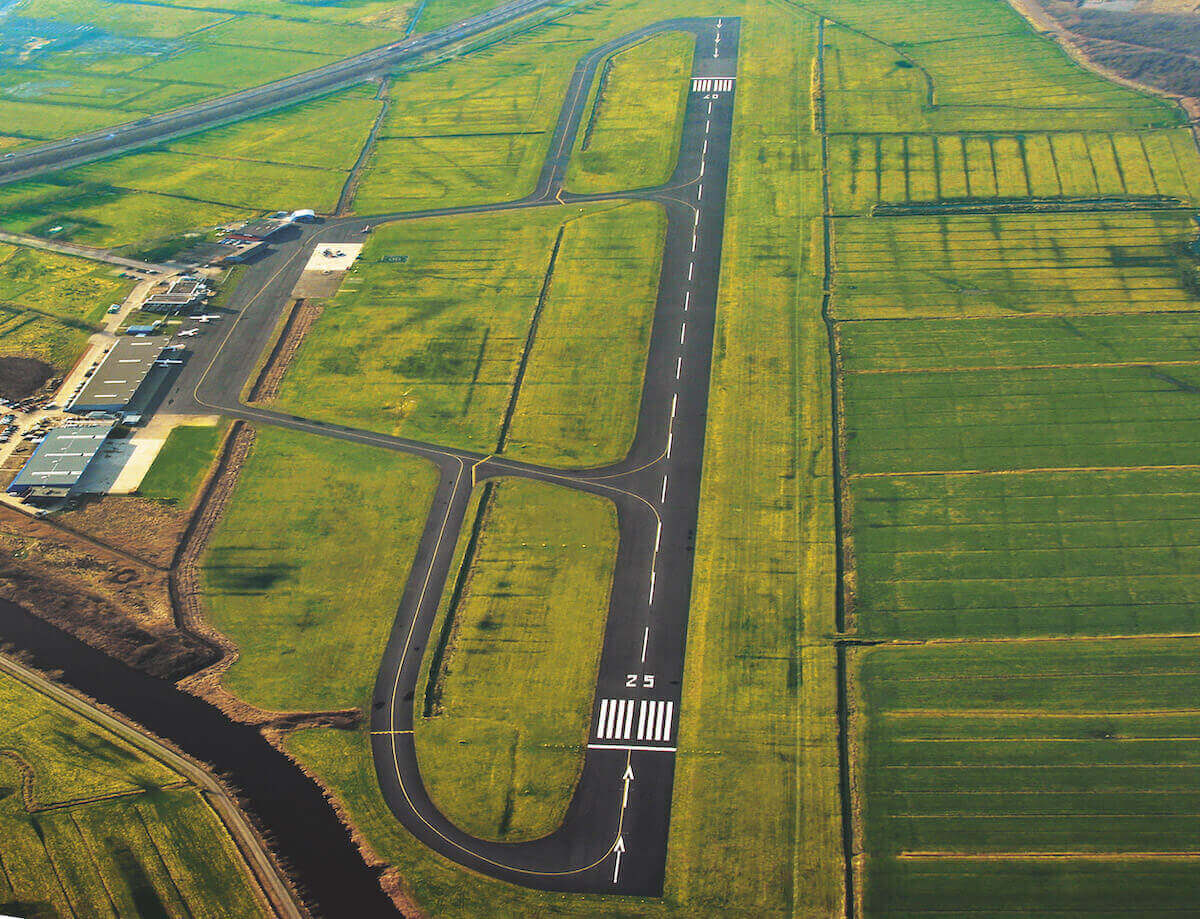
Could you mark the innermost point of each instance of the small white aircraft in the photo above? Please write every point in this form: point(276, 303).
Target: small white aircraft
point(188, 333)
point(207, 317)
point(162, 363)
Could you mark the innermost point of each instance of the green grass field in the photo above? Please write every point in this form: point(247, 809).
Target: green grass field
point(756, 782)
point(431, 347)
point(51, 303)
point(289, 578)
point(477, 129)
point(526, 608)
point(630, 134)
point(284, 160)
point(133, 61)
point(93, 826)
point(182, 463)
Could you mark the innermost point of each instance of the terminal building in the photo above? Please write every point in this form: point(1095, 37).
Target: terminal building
point(119, 379)
point(183, 294)
point(59, 462)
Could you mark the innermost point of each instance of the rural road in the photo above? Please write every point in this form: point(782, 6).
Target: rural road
point(614, 836)
point(123, 138)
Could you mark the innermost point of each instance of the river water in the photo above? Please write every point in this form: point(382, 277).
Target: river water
point(302, 827)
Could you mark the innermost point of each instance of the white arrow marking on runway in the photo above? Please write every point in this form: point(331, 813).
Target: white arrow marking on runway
point(626, 778)
point(619, 848)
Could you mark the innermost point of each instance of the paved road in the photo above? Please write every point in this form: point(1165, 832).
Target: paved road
point(123, 138)
point(614, 836)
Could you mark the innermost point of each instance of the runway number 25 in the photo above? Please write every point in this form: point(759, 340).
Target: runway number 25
point(631, 681)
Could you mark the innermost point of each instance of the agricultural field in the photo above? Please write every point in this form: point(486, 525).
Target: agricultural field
point(50, 304)
point(535, 568)
point(94, 826)
point(972, 266)
point(980, 69)
point(631, 131)
point(431, 347)
point(1029, 774)
point(944, 173)
point(307, 601)
point(1013, 319)
point(68, 67)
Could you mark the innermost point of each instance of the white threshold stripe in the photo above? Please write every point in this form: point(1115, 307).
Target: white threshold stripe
point(634, 747)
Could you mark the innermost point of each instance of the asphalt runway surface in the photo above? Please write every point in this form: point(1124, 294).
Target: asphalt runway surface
point(614, 836)
point(123, 138)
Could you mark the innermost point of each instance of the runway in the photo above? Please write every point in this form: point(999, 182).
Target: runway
point(615, 833)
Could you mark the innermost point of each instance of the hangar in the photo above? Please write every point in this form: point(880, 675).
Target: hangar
point(60, 460)
point(120, 375)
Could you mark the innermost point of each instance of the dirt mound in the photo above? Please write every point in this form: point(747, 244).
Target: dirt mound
point(22, 376)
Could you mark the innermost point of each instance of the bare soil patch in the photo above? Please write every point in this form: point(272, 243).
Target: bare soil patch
point(23, 376)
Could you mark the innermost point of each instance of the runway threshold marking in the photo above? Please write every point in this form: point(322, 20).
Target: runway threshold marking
point(655, 720)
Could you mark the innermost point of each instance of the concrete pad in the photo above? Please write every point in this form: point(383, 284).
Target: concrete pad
point(334, 257)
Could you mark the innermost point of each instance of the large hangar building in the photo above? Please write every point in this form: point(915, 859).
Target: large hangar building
point(119, 378)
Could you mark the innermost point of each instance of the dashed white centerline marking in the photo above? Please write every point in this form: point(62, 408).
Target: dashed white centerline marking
point(702, 169)
point(693, 242)
point(707, 125)
point(687, 300)
point(696, 221)
point(704, 150)
point(670, 440)
point(662, 500)
point(710, 108)
point(678, 367)
point(645, 641)
point(691, 268)
point(674, 405)
point(682, 332)
point(651, 587)
point(700, 192)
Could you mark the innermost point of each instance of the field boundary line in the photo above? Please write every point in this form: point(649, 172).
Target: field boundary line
point(1048, 856)
point(1035, 470)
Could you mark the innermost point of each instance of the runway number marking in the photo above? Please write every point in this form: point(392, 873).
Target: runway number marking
point(647, 679)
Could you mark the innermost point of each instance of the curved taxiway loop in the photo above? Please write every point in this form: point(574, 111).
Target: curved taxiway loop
point(614, 836)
